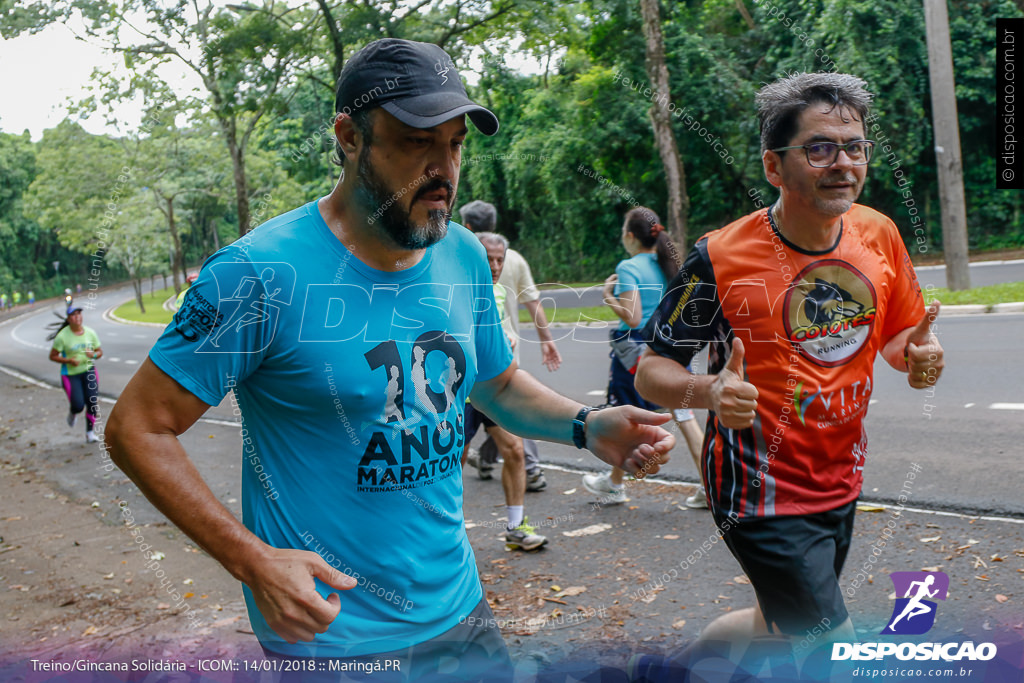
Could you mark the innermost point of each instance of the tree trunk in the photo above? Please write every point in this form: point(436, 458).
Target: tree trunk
point(947, 146)
point(136, 285)
point(241, 182)
point(675, 176)
point(337, 43)
point(177, 258)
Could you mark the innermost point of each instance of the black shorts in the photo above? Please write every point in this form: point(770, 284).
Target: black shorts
point(794, 562)
point(475, 420)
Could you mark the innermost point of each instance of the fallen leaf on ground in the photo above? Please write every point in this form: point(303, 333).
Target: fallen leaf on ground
point(571, 591)
point(569, 492)
point(670, 537)
point(588, 530)
point(1001, 598)
point(930, 540)
point(679, 624)
point(741, 579)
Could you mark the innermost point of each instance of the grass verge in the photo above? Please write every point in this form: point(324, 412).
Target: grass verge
point(985, 296)
point(154, 304)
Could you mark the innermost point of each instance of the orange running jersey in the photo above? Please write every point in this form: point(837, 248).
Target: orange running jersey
point(811, 324)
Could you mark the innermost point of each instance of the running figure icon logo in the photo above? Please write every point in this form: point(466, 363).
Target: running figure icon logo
point(914, 613)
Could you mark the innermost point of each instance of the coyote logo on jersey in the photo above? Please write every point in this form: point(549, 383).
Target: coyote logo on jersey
point(829, 302)
point(829, 312)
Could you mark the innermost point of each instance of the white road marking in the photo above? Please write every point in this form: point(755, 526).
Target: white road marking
point(14, 335)
point(131, 362)
point(43, 385)
point(1007, 406)
point(114, 360)
point(139, 336)
point(596, 392)
point(969, 405)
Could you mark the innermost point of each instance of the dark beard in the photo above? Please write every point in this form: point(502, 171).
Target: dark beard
point(387, 213)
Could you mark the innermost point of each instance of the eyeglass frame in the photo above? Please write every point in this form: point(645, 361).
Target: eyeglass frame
point(839, 147)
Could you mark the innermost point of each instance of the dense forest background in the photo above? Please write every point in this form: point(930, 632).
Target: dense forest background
point(576, 147)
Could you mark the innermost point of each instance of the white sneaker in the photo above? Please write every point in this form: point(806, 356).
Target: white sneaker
point(90, 437)
point(72, 419)
point(601, 486)
point(698, 500)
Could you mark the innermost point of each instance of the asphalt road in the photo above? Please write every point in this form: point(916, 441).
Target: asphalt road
point(967, 433)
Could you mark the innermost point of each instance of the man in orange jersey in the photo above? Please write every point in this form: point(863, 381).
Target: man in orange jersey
point(796, 300)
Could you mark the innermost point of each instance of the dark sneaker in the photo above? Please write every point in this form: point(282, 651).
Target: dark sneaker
point(483, 470)
point(523, 537)
point(536, 481)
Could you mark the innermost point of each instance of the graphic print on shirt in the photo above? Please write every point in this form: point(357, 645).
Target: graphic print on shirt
point(415, 442)
point(829, 312)
point(234, 300)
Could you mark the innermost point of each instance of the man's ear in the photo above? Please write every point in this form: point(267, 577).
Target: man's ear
point(772, 163)
point(347, 134)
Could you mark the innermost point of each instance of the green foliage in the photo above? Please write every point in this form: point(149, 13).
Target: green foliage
point(575, 150)
point(983, 296)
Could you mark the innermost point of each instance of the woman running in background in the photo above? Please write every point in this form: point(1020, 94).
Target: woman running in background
point(633, 292)
point(77, 348)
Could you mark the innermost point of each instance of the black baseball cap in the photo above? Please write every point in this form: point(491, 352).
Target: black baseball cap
point(414, 82)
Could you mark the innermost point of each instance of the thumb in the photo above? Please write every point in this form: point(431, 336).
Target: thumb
point(919, 335)
point(735, 362)
point(331, 576)
point(645, 417)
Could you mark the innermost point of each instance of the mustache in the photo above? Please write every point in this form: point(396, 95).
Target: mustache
point(839, 178)
point(433, 185)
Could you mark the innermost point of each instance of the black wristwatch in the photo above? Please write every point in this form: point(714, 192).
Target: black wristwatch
point(579, 426)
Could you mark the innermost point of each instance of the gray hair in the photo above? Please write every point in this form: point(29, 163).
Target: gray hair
point(492, 238)
point(480, 216)
point(779, 104)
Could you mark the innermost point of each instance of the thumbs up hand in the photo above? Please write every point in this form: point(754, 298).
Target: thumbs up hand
point(733, 399)
point(923, 354)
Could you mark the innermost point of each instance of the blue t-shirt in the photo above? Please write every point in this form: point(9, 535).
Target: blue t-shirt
point(641, 272)
point(352, 385)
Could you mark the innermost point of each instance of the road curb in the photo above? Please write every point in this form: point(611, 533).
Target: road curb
point(109, 316)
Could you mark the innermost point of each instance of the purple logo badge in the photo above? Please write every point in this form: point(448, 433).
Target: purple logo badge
point(914, 612)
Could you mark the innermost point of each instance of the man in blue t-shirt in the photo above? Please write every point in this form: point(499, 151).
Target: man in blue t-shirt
point(351, 332)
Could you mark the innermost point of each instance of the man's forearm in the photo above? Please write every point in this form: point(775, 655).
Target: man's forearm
point(663, 381)
point(894, 350)
point(540, 320)
point(529, 409)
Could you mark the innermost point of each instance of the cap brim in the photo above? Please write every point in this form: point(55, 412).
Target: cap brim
point(427, 111)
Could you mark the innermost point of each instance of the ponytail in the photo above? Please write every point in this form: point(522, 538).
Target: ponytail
point(646, 227)
point(57, 326)
point(668, 256)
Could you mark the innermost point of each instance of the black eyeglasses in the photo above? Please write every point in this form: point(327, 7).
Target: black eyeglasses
point(823, 154)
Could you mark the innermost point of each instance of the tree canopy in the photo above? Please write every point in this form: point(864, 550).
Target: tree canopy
point(576, 147)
